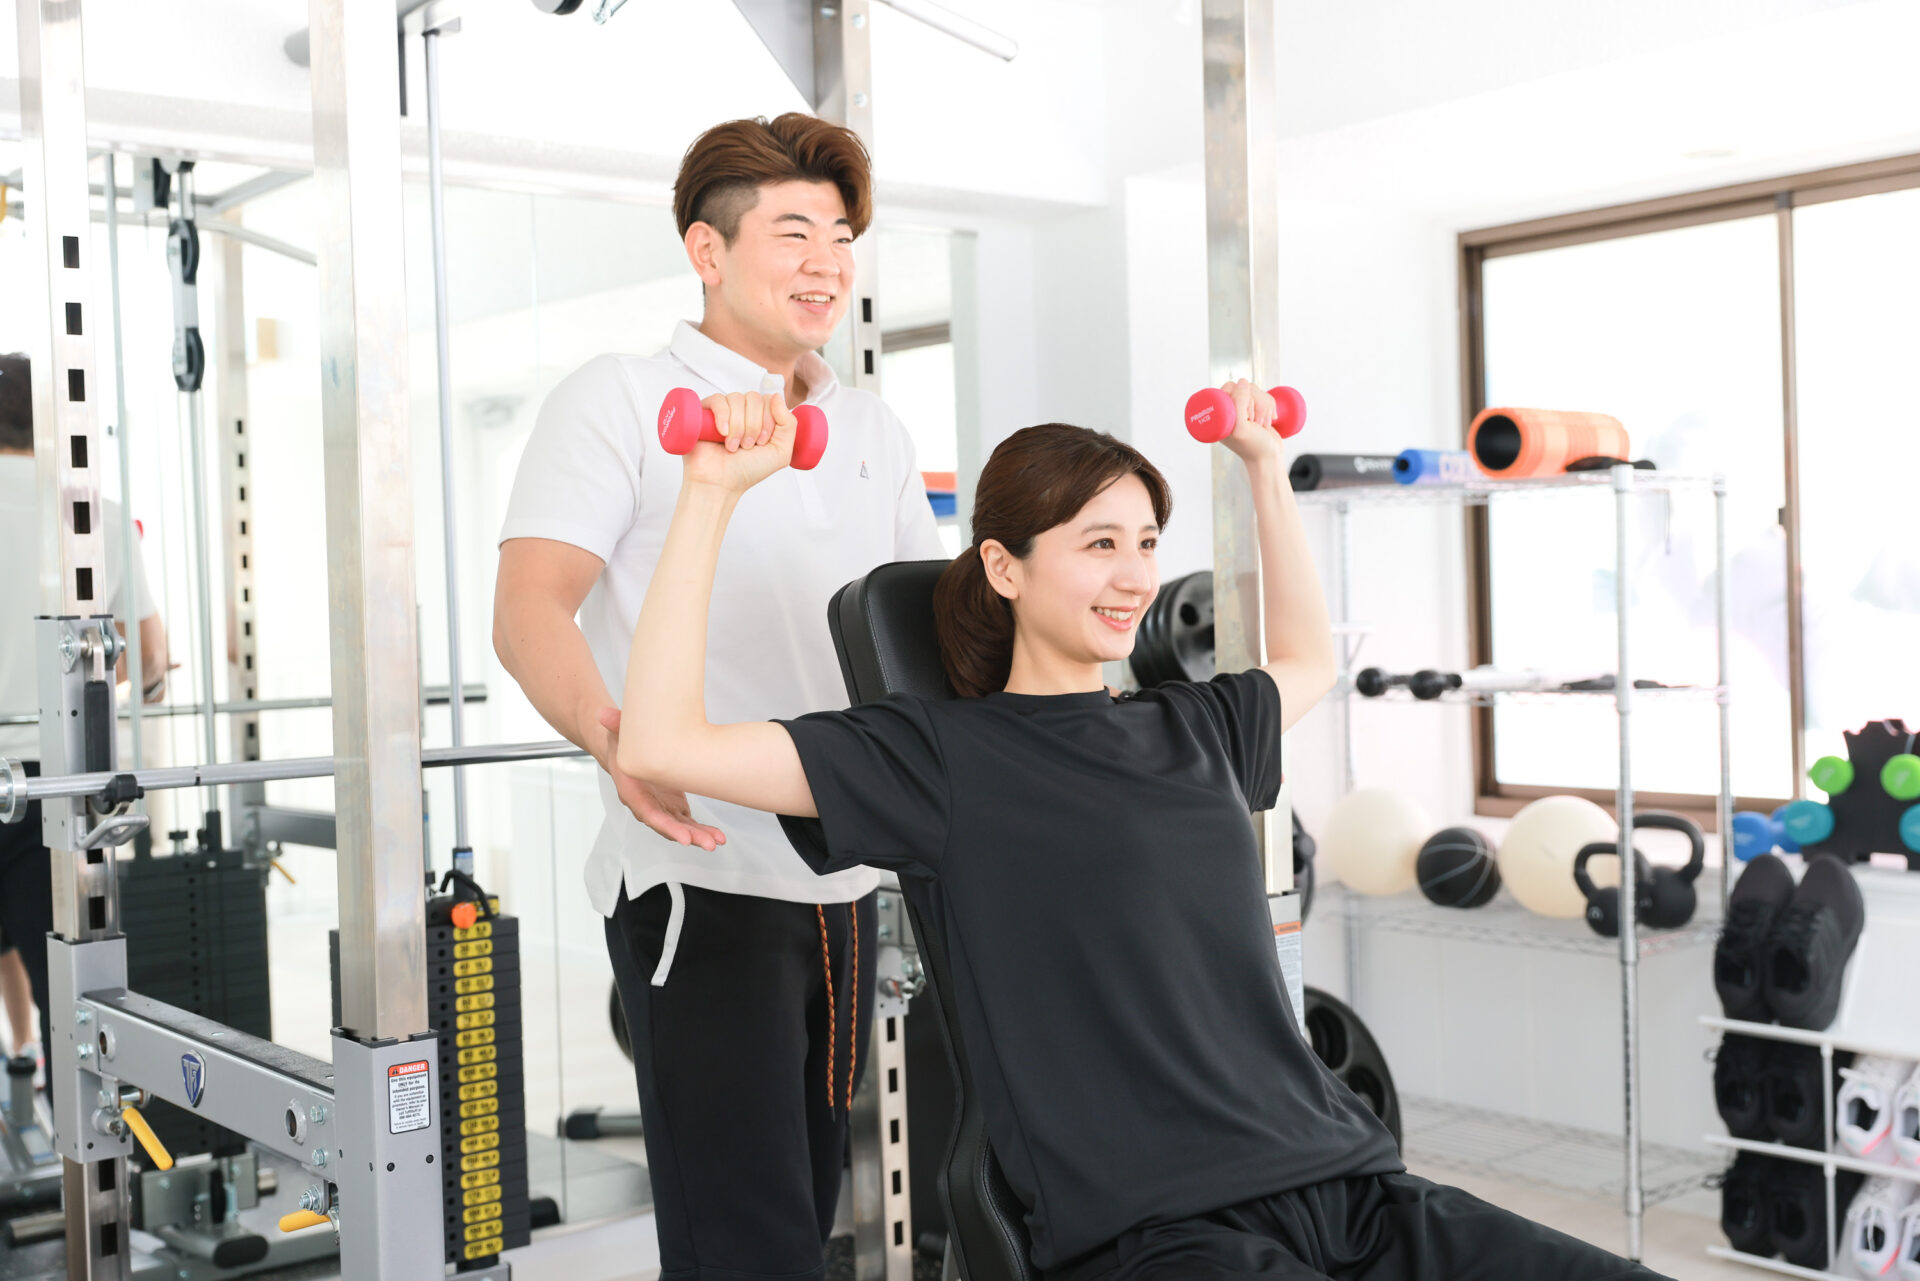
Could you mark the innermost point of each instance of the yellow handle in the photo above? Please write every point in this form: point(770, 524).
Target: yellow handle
point(148, 1139)
point(301, 1219)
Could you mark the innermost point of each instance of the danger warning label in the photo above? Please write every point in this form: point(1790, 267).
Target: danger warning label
point(409, 1097)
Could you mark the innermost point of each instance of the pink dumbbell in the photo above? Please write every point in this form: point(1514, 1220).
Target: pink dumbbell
point(684, 420)
point(1210, 415)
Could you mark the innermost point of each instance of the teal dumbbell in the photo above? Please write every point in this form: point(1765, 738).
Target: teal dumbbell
point(1910, 828)
point(1807, 822)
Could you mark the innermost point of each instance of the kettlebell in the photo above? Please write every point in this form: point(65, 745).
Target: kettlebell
point(1663, 898)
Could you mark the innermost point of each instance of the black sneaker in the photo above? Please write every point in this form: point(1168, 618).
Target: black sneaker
point(1797, 1093)
point(1739, 1086)
point(1762, 890)
point(1796, 1195)
point(1743, 1205)
point(1812, 939)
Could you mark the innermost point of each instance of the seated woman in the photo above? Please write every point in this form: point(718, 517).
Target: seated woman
point(1091, 863)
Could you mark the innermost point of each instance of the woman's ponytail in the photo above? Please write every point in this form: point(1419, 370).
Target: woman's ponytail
point(975, 625)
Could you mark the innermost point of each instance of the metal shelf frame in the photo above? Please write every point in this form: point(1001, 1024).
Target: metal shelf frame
point(1626, 484)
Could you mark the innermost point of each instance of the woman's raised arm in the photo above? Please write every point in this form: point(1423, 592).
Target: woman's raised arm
point(665, 737)
point(1299, 636)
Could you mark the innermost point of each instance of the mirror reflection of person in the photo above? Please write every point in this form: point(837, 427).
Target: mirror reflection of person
point(26, 872)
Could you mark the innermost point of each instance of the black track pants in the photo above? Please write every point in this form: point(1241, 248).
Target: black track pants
point(745, 1067)
point(1388, 1227)
point(26, 902)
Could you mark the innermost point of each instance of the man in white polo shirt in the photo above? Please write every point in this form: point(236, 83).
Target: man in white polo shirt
point(745, 978)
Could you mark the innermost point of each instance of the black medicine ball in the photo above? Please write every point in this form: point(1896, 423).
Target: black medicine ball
point(1456, 868)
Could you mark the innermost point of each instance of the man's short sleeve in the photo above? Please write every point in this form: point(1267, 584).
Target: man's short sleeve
point(916, 535)
point(579, 479)
point(880, 786)
point(1244, 708)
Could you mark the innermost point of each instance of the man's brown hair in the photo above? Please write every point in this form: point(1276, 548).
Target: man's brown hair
point(723, 171)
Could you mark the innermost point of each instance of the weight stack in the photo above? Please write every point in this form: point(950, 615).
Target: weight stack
point(473, 994)
point(196, 927)
point(473, 1003)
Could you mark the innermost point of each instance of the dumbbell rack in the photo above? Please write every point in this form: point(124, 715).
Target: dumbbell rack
point(1877, 1017)
point(1626, 484)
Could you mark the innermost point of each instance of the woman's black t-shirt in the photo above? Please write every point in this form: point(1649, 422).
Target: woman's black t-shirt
point(1099, 888)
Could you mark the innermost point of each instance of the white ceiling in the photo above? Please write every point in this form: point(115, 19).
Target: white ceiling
point(1474, 110)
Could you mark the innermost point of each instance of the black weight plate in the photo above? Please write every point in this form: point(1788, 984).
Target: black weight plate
point(1175, 640)
point(1343, 1043)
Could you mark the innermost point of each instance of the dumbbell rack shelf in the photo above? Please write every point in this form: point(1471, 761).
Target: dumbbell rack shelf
point(1343, 688)
point(1626, 484)
point(1504, 923)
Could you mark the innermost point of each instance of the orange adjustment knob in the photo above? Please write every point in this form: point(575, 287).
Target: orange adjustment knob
point(301, 1219)
point(464, 915)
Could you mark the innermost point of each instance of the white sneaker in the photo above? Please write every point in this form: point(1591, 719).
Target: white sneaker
point(1906, 1120)
point(1874, 1224)
point(1863, 1110)
point(1909, 1259)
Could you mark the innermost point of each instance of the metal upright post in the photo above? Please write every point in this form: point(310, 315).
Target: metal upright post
point(842, 90)
point(236, 512)
point(72, 573)
point(391, 1192)
point(436, 189)
point(1239, 82)
point(1629, 938)
point(1721, 603)
point(129, 537)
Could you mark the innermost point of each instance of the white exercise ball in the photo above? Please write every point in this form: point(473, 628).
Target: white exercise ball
point(1372, 841)
point(1536, 855)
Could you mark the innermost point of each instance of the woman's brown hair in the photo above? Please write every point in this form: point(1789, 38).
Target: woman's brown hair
point(722, 173)
point(1038, 478)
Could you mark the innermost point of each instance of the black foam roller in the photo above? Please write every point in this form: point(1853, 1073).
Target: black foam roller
point(1340, 471)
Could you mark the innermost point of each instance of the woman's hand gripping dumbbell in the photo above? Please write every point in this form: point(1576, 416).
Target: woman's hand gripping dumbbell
point(685, 421)
point(1214, 412)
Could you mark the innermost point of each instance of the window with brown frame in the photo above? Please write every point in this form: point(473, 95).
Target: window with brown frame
point(1765, 332)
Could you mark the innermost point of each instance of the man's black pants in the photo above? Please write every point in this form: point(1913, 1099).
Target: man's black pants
point(26, 901)
point(746, 1061)
point(1384, 1227)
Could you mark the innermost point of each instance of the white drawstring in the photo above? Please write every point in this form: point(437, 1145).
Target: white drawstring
point(676, 917)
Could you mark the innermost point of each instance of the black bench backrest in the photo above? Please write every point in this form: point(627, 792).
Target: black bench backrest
point(883, 629)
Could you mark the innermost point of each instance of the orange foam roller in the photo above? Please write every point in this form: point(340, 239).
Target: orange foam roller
point(1541, 442)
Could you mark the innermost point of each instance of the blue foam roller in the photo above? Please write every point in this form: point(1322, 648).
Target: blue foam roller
point(1433, 467)
point(1910, 828)
point(1786, 843)
point(1807, 822)
point(1754, 834)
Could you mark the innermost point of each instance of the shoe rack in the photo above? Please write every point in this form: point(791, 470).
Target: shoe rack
point(1879, 1015)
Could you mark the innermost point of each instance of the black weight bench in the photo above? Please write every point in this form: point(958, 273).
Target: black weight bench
point(883, 628)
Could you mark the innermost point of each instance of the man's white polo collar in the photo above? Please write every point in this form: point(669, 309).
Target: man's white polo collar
point(732, 372)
